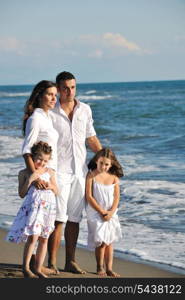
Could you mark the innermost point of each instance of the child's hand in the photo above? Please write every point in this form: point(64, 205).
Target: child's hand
point(108, 215)
point(104, 214)
point(49, 186)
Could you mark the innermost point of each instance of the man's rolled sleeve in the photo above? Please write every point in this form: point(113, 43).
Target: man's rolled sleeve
point(90, 131)
point(32, 131)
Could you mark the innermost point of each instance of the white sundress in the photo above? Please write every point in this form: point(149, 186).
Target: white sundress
point(100, 231)
point(36, 215)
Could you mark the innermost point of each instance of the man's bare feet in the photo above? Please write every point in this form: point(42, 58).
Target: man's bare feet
point(112, 273)
point(28, 273)
point(101, 271)
point(53, 268)
point(74, 268)
point(48, 271)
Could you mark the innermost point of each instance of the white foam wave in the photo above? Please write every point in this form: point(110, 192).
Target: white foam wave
point(7, 223)
point(156, 189)
point(144, 243)
point(10, 200)
point(136, 252)
point(154, 244)
point(90, 92)
point(4, 94)
point(10, 146)
point(94, 97)
point(147, 201)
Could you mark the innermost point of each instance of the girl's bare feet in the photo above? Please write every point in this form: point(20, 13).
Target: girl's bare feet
point(46, 271)
point(29, 274)
point(112, 273)
point(101, 271)
point(39, 272)
point(41, 275)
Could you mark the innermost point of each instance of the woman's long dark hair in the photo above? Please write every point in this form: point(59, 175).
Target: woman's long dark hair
point(34, 100)
point(115, 169)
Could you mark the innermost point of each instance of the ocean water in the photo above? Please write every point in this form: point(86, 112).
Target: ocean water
point(143, 122)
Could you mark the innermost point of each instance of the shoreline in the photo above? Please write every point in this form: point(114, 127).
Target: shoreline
point(134, 259)
point(11, 260)
point(6, 220)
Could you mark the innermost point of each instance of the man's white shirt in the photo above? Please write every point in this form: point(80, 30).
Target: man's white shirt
point(71, 148)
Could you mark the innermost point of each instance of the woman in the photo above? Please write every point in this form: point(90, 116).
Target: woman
point(38, 126)
point(37, 123)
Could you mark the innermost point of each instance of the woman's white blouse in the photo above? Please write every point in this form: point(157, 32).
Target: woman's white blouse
point(39, 127)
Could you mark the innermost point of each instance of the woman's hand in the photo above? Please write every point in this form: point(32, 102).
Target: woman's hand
point(40, 184)
point(37, 181)
point(49, 186)
point(34, 176)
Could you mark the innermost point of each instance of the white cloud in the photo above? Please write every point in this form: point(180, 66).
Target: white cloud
point(11, 44)
point(117, 40)
point(89, 39)
point(93, 46)
point(31, 48)
point(180, 37)
point(110, 44)
point(96, 53)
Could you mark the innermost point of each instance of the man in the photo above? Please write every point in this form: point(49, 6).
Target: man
point(73, 121)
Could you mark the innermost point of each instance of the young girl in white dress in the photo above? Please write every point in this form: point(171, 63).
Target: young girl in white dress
point(35, 219)
point(102, 195)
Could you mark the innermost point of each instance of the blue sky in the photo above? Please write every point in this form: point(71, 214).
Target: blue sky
point(98, 41)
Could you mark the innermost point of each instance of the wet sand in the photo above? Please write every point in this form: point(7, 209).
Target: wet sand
point(11, 260)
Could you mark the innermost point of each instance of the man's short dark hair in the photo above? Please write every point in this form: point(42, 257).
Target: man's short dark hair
point(64, 76)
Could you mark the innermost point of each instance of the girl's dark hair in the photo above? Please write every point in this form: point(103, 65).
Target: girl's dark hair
point(34, 100)
point(115, 169)
point(41, 147)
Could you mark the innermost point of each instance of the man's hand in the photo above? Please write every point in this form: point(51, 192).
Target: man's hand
point(94, 143)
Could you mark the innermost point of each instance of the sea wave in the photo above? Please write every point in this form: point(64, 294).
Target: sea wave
point(146, 133)
point(14, 95)
point(10, 147)
point(94, 97)
point(90, 92)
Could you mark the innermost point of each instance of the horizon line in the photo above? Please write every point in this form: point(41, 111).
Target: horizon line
point(100, 82)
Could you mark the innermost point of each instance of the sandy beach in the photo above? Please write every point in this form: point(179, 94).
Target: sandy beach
point(11, 260)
